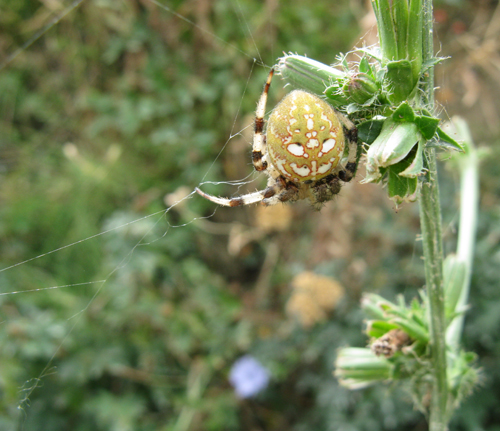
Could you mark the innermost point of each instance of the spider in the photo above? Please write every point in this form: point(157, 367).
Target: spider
point(301, 151)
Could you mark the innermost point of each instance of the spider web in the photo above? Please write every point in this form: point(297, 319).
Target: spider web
point(150, 229)
point(128, 239)
point(139, 233)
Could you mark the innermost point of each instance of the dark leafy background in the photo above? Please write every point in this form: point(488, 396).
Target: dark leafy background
point(120, 108)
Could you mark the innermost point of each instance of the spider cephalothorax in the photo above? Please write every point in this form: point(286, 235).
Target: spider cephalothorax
point(301, 151)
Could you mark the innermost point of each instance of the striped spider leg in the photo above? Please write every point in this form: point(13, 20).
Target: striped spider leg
point(301, 151)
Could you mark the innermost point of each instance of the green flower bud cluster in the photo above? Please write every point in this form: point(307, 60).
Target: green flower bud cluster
point(358, 368)
point(356, 92)
point(380, 98)
point(397, 151)
point(361, 88)
point(399, 348)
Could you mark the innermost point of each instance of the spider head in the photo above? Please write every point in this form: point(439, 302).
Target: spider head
point(305, 139)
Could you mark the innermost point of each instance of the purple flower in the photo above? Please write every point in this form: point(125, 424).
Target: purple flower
point(248, 377)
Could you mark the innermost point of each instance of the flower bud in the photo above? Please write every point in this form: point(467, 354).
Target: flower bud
point(361, 88)
point(394, 143)
point(307, 74)
point(358, 368)
point(397, 154)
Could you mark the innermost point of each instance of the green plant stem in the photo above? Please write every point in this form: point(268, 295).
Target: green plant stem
point(469, 200)
point(427, 83)
point(430, 219)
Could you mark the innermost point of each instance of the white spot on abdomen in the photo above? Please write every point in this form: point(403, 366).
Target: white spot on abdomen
point(280, 165)
point(310, 121)
point(296, 149)
point(325, 167)
point(302, 171)
point(312, 143)
point(314, 165)
point(325, 117)
point(328, 145)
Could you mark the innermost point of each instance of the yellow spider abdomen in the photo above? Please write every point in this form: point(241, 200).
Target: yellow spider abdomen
point(305, 139)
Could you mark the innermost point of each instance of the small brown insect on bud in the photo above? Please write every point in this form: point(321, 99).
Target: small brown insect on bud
point(390, 343)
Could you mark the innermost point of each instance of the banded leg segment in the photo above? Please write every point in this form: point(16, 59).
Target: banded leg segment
point(277, 190)
point(259, 139)
point(287, 192)
point(351, 135)
point(250, 198)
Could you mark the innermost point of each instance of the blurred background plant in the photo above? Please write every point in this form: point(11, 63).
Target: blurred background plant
point(123, 106)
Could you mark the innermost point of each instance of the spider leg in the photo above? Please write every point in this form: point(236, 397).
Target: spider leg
point(260, 160)
point(283, 191)
point(259, 139)
point(275, 186)
point(271, 170)
point(291, 194)
point(250, 198)
point(325, 189)
point(351, 134)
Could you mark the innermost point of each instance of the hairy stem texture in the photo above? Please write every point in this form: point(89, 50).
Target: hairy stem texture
point(430, 219)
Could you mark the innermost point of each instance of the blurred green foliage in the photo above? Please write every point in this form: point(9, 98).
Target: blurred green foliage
point(123, 102)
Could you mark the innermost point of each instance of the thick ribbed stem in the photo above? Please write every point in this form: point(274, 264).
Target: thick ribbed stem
point(430, 219)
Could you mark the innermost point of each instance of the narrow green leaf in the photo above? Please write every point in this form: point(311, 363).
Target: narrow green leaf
point(432, 62)
point(448, 141)
point(414, 39)
point(419, 321)
point(414, 330)
point(377, 300)
point(373, 52)
point(372, 310)
point(386, 31)
point(377, 328)
point(453, 282)
point(400, 14)
point(364, 67)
